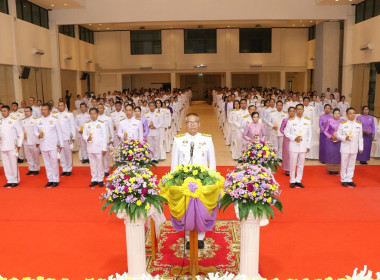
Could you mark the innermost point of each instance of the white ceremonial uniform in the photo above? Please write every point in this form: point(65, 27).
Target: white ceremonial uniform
point(116, 117)
point(19, 114)
point(297, 151)
point(203, 153)
point(80, 120)
point(275, 120)
point(51, 140)
point(153, 136)
point(67, 123)
point(343, 106)
point(11, 138)
point(32, 153)
point(77, 104)
point(130, 129)
point(110, 133)
point(99, 143)
point(161, 113)
point(349, 149)
point(36, 111)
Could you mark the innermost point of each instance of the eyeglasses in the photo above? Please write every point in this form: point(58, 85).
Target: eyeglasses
point(192, 122)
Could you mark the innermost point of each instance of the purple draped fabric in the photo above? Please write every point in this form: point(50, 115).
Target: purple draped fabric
point(285, 147)
point(145, 127)
point(322, 137)
point(197, 217)
point(368, 124)
point(332, 148)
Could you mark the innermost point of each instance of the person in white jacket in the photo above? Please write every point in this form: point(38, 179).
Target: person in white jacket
point(32, 153)
point(96, 136)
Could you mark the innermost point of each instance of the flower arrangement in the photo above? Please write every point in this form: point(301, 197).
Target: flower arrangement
point(195, 174)
point(132, 189)
point(134, 153)
point(252, 188)
point(260, 153)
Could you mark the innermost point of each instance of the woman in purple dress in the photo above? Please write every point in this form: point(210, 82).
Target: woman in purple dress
point(368, 124)
point(143, 120)
point(285, 143)
point(255, 130)
point(333, 143)
point(322, 138)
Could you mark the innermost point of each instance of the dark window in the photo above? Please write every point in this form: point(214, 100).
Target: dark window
point(359, 14)
point(86, 35)
point(68, 30)
point(146, 42)
point(312, 32)
point(4, 6)
point(32, 13)
point(200, 41)
point(255, 40)
point(377, 8)
point(369, 7)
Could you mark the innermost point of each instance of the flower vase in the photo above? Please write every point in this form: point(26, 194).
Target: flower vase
point(135, 236)
point(249, 244)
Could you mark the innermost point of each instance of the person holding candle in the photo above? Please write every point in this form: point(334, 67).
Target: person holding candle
point(130, 127)
point(368, 125)
point(350, 132)
point(285, 143)
point(96, 136)
point(298, 130)
point(333, 156)
point(322, 138)
point(32, 153)
point(80, 119)
point(254, 131)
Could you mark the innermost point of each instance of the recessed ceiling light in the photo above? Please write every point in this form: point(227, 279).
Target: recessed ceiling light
point(98, 28)
point(65, 4)
point(301, 20)
point(108, 28)
point(311, 21)
point(90, 24)
point(303, 24)
point(228, 26)
point(336, 0)
point(100, 24)
point(293, 25)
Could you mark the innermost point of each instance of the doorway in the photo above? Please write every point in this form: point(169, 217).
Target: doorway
point(200, 84)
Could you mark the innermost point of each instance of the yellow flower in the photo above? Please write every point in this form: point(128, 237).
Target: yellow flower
point(147, 207)
point(195, 172)
point(254, 193)
point(245, 195)
point(258, 146)
point(132, 180)
point(185, 170)
point(138, 202)
point(144, 175)
point(269, 199)
point(130, 152)
point(129, 189)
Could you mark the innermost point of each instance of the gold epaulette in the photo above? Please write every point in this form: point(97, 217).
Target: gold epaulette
point(343, 121)
point(285, 112)
point(307, 118)
point(358, 121)
point(138, 119)
point(291, 119)
point(246, 116)
point(204, 134)
point(78, 113)
point(13, 118)
point(88, 121)
point(180, 135)
point(101, 121)
point(108, 115)
point(122, 119)
point(54, 116)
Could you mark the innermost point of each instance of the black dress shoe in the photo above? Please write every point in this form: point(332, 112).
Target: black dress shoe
point(352, 184)
point(86, 161)
point(300, 185)
point(201, 244)
point(106, 174)
point(287, 173)
point(93, 184)
point(7, 185)
point(292, 185)
point(48, 185)
point(101, 184)
point(344, 184)
point(187, 245)
point(55, 184)
point(330, 172)
point(20, 160)
point(363, 162)
point(30, 173)
point(63, 174)
point(68, 173)
point(14, 185)
point(36, 172)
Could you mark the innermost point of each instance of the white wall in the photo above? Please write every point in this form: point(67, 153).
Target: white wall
point(7, 55)
point(6, 84)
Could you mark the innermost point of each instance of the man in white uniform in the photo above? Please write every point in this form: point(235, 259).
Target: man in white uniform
point(32, 153)
point(130, 127)
point(11, 141)
point(67, 123)
point(116, 116)
point(110, 133)
point(80, 119)
point(96, 135)
point(350, 132)
point(153, 136)
point(49, 132)
point(275, 121)
point(193, 148)
point(298, 130)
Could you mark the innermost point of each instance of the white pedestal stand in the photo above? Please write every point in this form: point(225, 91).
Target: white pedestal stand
point(135, 235)
point(249, 245)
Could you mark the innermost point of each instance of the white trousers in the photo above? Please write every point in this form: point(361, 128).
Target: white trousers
point(96, 166)
point(347, 167)
point(32, 154)
point(154, 142)
point(162, 143)
point(66, 157)
point(296, 160)
point(277, 143)
point(201, 235)
point(10, 166)
point(116, 141)
point(83, 147)
point(106, 160)
point(51, 165)
point(21, 153)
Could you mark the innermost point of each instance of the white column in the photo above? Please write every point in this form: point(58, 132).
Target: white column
point(282, 80)
point(56, 87)
point(327, 56)
point(348, 68)
point(78, 82)
point(173, 80)
point(228, 79)
point(119, 81)
point(135, 235)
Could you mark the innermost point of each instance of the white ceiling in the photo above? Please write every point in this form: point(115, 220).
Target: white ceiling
point(195, 24)
point(60, 4)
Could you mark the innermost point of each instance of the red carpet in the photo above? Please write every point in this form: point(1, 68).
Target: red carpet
point(326, 230)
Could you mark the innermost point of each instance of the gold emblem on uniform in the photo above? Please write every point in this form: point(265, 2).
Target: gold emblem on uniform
point(10, 122)
point(51, 122)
